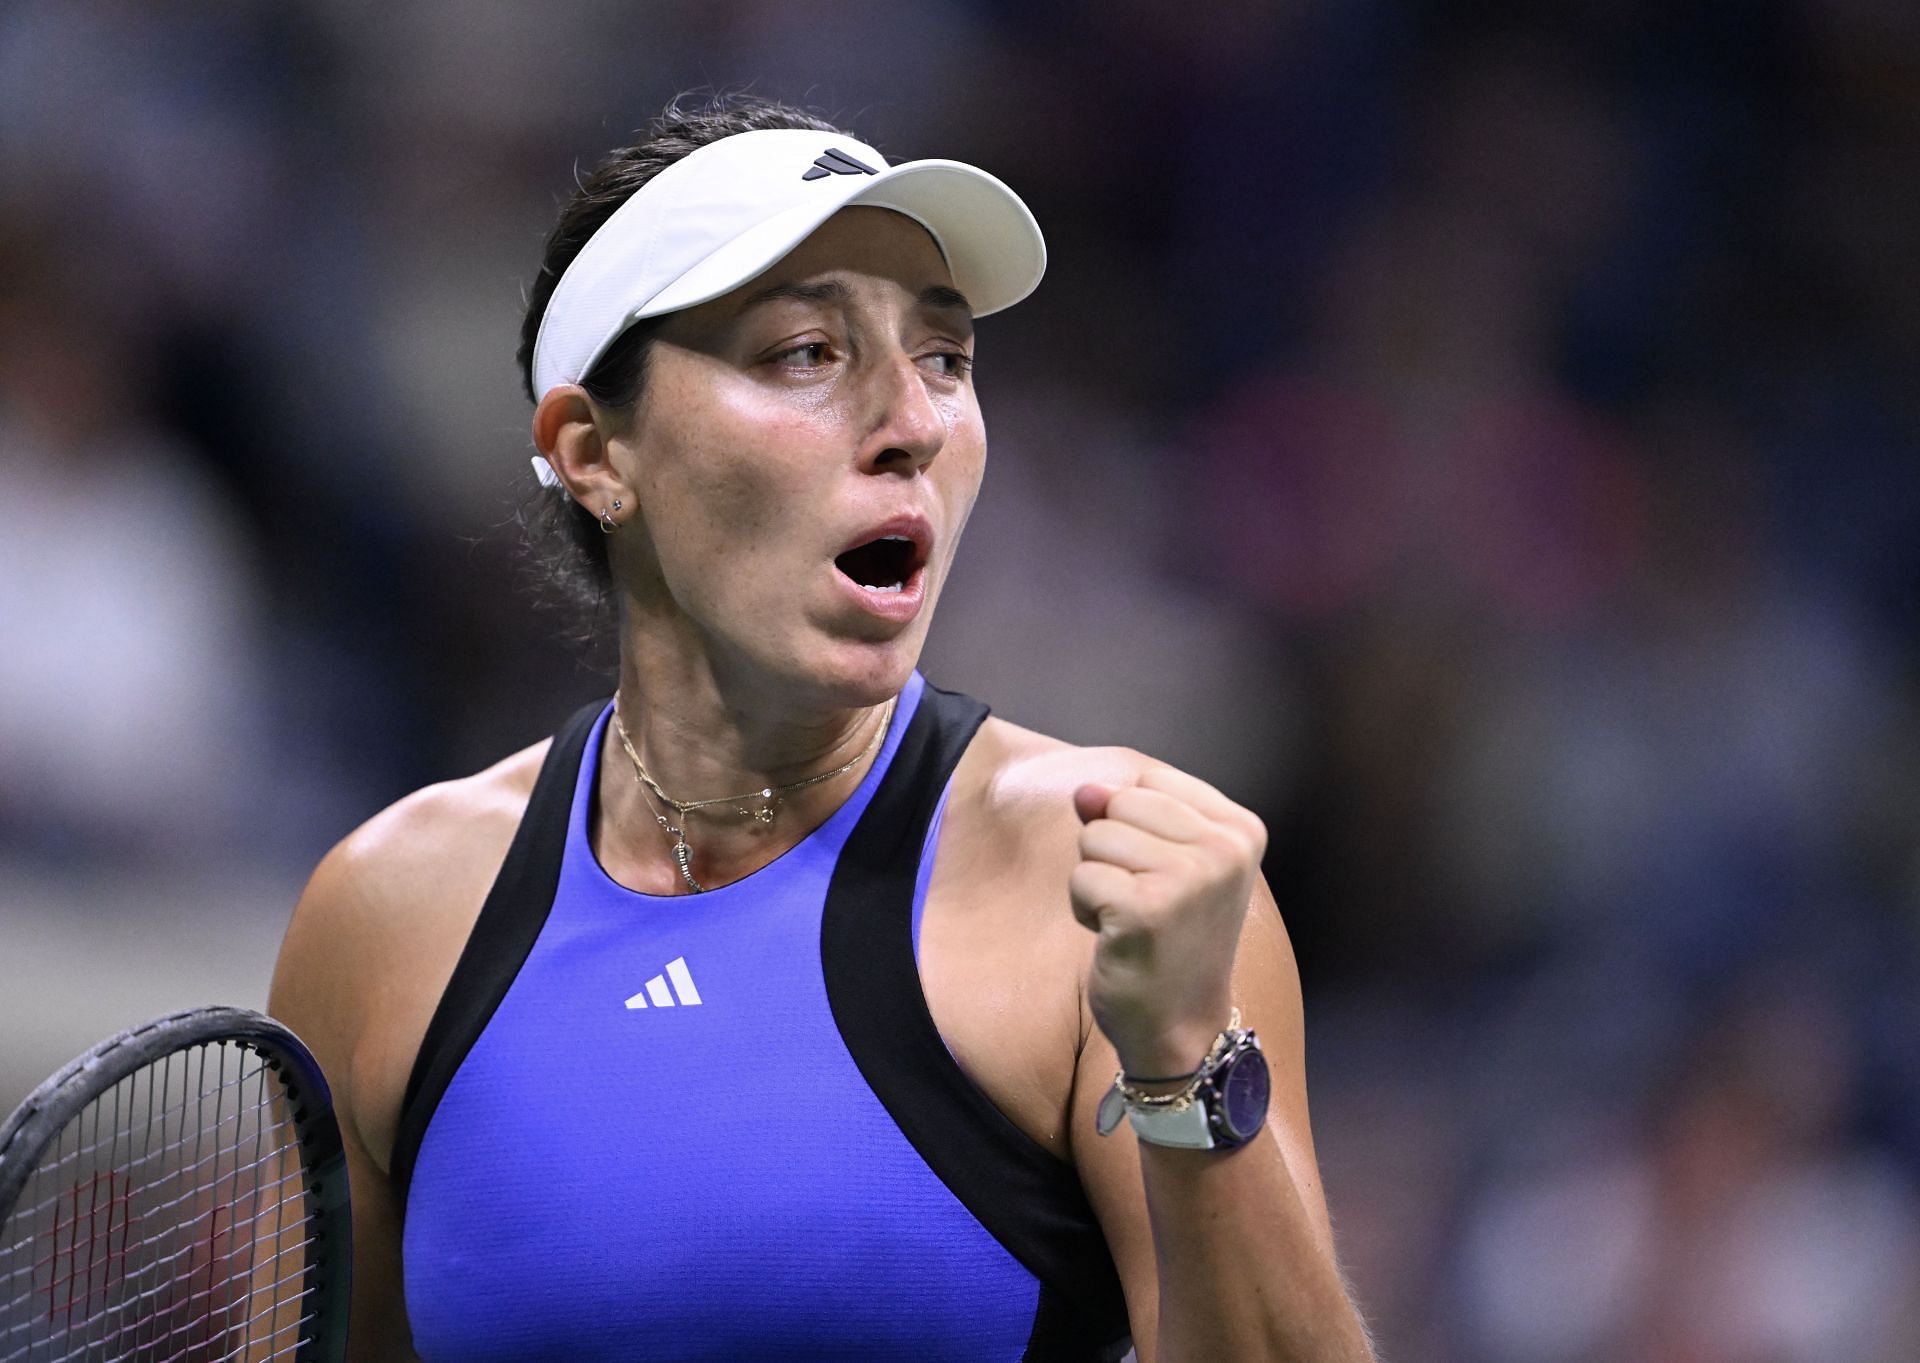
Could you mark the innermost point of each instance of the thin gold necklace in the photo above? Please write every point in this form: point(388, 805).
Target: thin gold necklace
point(768, 798)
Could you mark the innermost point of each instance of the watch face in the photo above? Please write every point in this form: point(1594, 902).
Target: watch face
point(1244, 1094)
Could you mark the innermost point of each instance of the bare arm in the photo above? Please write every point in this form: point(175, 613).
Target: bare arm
point(320, 990)
point(1223, 1254)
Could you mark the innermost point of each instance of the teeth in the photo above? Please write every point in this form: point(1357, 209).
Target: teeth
point(895, 539)
point(896, 587)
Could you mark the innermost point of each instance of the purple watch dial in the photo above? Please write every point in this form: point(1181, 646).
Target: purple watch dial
point(1244, 1091)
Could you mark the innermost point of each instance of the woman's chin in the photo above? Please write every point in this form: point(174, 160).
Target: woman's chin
point(850, 674)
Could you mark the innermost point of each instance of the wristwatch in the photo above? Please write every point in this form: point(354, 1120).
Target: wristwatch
point(1222, 1107)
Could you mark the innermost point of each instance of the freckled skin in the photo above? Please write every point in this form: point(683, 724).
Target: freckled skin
point(752, 470)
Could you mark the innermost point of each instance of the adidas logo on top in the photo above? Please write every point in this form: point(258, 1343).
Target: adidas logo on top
point(658, 995)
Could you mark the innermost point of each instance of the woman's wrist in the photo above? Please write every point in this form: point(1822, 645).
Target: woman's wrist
point(1173, 1059)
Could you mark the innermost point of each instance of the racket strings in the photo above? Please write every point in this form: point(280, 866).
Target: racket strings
point(154, 1209)
point(179, 1114)
point(170, 1220)
point(92, 1205)
point(166, 1266)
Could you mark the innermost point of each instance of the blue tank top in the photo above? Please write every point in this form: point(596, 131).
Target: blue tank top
point(724, 1126)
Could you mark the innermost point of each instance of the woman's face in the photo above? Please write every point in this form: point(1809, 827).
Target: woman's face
point(823, 408)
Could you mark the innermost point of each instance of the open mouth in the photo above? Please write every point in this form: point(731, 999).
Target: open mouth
point(886, 564)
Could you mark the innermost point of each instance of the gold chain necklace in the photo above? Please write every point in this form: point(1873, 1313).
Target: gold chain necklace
point(763, 812)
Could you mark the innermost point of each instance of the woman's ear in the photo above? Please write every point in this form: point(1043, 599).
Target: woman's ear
point(575, 444)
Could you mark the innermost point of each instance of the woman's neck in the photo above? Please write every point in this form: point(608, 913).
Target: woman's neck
point(699, 739)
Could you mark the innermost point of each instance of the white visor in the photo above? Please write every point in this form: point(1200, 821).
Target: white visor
point(726, 213)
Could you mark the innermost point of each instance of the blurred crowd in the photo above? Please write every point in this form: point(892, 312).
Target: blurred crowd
point(1485, 438)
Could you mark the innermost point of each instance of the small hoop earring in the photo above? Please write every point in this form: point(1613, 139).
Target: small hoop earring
point(607, 527)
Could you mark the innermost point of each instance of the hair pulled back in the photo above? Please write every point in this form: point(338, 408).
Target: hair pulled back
point(564, 543)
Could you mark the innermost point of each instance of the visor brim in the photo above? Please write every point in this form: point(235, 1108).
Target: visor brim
point(993, 246)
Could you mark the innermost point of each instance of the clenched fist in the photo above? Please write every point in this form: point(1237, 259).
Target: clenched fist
point(1166, 871)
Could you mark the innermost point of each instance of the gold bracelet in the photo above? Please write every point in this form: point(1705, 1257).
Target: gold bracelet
point(1182, 1098)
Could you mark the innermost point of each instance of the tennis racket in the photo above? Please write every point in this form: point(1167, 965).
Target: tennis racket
point(177, 1193)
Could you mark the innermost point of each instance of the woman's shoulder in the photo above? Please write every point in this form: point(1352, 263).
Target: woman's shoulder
point(1025, 773)
point(1016, 788)
point(439, 835)
point(387, 911)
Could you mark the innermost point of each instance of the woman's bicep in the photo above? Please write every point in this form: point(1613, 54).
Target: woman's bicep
point(379, 1331)
point(1267, 990)
point(1267, 986)
point(320, 989)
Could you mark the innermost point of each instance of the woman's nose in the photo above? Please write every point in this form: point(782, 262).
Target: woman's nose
point(909, 427)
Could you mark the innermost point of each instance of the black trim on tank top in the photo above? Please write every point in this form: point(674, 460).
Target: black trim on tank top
point(510, 921)
point(1030, 1200)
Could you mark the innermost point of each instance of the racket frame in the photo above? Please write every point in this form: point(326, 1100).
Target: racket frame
point(37, 1123)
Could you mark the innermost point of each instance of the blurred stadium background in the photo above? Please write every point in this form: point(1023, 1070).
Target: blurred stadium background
point(1483, 437)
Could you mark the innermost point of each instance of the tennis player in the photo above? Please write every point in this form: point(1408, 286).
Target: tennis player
point(785, 1006)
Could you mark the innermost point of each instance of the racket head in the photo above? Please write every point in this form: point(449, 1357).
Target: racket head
point(179, 1191)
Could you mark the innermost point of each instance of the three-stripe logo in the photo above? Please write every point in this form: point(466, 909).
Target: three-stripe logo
point(658, 995)
point(833, 161)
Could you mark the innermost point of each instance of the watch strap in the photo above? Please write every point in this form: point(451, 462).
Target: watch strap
point(1184, 1128)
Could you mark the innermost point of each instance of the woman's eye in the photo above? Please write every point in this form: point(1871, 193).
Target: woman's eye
point(952, 363)
point(809, 356)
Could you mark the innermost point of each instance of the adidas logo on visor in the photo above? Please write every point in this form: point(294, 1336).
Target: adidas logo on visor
point(657, 994)
point(833, 161)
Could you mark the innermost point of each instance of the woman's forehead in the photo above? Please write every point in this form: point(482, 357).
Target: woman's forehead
point(861, 257)
point(855, 245)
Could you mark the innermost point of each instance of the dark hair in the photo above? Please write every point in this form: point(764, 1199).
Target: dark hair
point(564, 543)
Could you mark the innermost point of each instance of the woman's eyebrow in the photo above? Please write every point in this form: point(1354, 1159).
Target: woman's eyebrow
point(941, 298)
point(827, 291)
point(938, 296)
